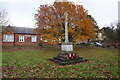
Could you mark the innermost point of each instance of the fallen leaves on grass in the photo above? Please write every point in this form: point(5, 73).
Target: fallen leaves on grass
point(100, 66)
point(71, 72)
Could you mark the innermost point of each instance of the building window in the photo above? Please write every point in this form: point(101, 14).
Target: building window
point(33, 38)
point(21, 38)
point(8, 38)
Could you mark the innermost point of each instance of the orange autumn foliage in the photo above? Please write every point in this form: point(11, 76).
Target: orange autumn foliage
point(50, 21)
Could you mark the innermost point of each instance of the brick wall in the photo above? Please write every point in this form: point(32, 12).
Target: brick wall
point(8, 43)
point(27, 39)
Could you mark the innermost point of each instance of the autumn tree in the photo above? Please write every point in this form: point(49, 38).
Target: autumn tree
point(50, 21)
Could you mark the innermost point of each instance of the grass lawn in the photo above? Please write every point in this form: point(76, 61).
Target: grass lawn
point(33, 62)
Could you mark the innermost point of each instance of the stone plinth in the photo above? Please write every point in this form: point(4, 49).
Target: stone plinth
point(67, 47)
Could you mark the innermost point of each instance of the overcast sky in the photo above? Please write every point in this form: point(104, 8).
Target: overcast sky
point(21, 12)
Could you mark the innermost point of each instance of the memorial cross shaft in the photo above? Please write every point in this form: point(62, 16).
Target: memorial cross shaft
point(66, 28)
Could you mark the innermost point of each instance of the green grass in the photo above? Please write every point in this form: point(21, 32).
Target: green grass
point(33, 63)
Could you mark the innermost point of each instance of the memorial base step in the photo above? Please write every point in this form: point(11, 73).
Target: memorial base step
point(63, 59)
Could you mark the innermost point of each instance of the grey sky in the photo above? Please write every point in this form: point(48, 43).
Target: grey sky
point(21, 12)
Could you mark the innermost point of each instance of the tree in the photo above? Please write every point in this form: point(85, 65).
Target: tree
point(50, 22)
point(7, 29)
point(3, 17)
point(118, 32)
point(112, 33)
point(108, 32)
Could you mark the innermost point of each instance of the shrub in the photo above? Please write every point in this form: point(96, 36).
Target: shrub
point(40, 43)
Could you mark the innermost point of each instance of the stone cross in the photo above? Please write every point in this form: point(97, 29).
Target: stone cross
point(66, 28)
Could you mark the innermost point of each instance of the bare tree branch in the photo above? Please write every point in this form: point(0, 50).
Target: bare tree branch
point(3, 17)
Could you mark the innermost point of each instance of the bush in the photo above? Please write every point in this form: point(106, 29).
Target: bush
point(106, 46)
point(85, 44)
point(40, 43)
point(103, 46)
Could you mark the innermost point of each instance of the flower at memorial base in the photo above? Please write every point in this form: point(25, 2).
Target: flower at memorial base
point(74, 55)
point(69, 55)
